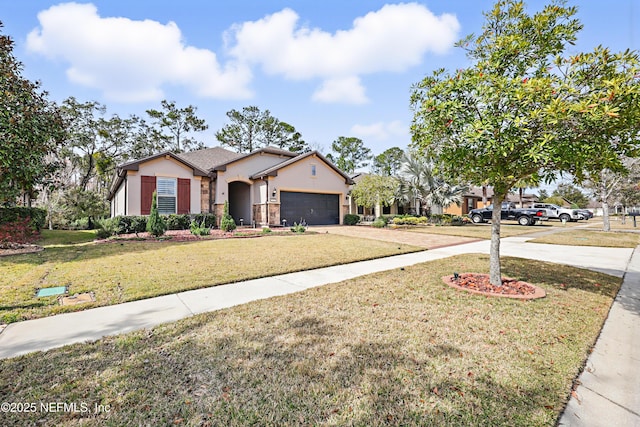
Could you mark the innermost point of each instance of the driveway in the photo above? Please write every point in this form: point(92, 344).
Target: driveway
point(423, 240)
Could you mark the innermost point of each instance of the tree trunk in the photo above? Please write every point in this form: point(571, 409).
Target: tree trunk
point(484, 196)
point(495, 274)
point(606, 225)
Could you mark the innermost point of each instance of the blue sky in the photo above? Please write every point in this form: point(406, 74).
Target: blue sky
point(329, 68)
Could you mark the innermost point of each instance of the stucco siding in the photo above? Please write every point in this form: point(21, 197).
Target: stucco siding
point(163, 167)
point(298, 177)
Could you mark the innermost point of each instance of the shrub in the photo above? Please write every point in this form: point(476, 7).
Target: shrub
point(380, 222)
point(206, 219)
point(178, 222)
point(155, 225)
point(19, 231)
point(199, 229)
point(138, 224)
point(227, 223)
point(298, 228)
point(79, 224)
point(105, 228)
point(37, 217)
point(351, 219)
point(266, 230)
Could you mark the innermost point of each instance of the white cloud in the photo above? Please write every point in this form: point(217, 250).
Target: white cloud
point(131, 60)
point(381, 131)
point(391, 39)
point(346, 90)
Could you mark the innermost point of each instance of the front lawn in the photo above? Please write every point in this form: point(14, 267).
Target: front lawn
point(128, 270)
point(479, 231)
point(392, 348)
point(610, 239)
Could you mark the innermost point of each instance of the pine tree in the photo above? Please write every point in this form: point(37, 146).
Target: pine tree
point(227, 223)
point(156, 224)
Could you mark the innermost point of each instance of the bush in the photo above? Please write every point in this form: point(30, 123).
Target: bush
point(178, 222)
point(380, 222)
point(351, 219)
point(227, 223)
point(106, 228)
point(37, 217)
point(266, 230)
point(79, 224)
point(199, 229)
point(206, 219)
point(138, 224)
point(298, 228)
point(155, 225)
point(19, 231)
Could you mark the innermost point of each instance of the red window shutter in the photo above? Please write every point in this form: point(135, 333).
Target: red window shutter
point(184, 196)
point(147, 187)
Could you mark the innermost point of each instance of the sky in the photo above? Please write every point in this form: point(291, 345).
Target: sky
point(329, 68)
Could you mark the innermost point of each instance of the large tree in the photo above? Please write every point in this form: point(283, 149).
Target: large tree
point(509, 116)
point(251, 129)
point(31, 129)
point(388, 162)
point(571, 193)
point(349, 154)
point(173, 125)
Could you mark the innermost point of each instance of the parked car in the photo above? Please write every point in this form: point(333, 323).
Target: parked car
point(558, 212)
point(524, 216)
point(585, 214)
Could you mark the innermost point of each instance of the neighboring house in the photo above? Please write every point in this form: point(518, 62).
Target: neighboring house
point(265, 187)
point(473, 200)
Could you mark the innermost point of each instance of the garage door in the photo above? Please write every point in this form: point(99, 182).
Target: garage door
point(315, 209)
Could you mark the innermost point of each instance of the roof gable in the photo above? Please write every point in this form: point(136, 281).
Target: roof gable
point(273, 171)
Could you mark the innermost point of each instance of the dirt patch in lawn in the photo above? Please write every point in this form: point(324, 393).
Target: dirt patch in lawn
point(479, 284)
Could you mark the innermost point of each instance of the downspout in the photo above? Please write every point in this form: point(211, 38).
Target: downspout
point(266, 200)
point(126, 186)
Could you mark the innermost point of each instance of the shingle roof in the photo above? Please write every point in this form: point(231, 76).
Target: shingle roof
point(209, 158)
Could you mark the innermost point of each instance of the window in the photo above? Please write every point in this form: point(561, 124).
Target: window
point(313, 170)
point(167, 192)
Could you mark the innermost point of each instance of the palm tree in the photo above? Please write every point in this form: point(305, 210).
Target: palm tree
point(419, 182)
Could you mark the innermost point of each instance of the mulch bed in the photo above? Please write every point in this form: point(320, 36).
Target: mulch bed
point(479, 284)
point(18, 248)
point(186, 236)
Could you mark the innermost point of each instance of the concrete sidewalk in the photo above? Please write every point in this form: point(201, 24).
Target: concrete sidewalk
point(609, 393)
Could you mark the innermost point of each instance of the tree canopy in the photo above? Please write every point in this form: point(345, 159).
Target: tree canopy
point(349, 154)
point(388, 162)
point(251, 129)
point(521, 111)
point(31, 130)
point(173, 125)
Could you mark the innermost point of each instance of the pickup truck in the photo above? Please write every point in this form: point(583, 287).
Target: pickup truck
point(558, 212)
point(524, 216)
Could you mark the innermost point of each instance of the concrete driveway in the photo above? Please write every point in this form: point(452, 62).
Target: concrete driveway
point(423, 240)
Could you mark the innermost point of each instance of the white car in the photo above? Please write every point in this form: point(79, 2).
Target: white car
point(558, 212)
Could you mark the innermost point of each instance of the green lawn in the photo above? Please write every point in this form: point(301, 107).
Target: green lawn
point(592, 238)
point(130, 270)
point(480, 231)
point(392, 348)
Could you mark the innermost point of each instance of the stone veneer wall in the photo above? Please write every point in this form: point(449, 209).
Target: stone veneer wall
point(274, 214)
point(204, 194)
point(218, 210)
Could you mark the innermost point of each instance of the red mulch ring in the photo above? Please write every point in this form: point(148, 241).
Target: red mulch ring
point(479, 284)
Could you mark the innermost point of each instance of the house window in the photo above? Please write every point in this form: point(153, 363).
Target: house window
point(313, 170)
point(386, 210)
point(360, 210)
point(167, 195)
